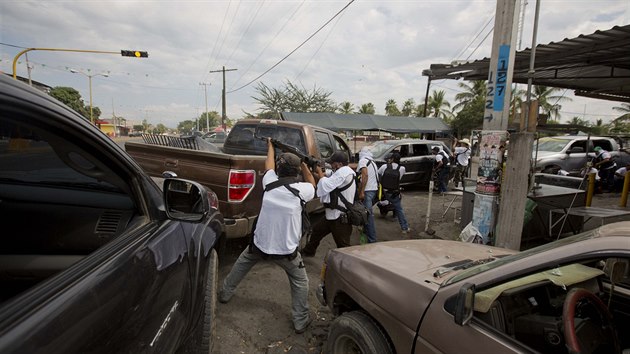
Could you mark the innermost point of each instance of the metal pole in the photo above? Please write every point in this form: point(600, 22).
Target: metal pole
point(15, 59)
point(223, 115)
point(205, 90)
point(532, 58)
point(91, 111)
point(426, 98)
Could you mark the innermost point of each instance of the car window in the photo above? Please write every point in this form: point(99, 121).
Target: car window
point(324, 144)
point(340, 145)
point(604, 144)
point(551, 144)
point(579, 145)
point(404, 150)
point(243, 139)
point(421, 150)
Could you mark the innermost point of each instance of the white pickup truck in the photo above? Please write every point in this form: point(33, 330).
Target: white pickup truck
point(572, 152)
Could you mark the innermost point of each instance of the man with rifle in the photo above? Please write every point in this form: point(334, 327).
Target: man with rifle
point(278, 231)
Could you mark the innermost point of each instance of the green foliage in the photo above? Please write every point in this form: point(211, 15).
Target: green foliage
point(438, 105)
point(214, 118)
point(367, 108)
point(159, 129)
point(292, 98)
point(72, 98)
point(469, 118)
point(345, 108)
point(408, 108)
point(187, 126)
point(391, 108)
point(138, 128)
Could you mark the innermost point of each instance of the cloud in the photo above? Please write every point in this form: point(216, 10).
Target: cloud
point(373, 51)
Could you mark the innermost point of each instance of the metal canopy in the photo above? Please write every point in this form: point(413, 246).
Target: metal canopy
point(595, 65)
point(346, 122)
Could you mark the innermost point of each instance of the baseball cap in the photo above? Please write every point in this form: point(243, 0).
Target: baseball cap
point(339, 156)
point(597, 148)
point(290, 159)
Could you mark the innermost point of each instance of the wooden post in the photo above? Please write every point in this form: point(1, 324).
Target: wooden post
point(590, 189)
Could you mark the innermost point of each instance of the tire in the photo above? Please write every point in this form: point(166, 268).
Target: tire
point(205, 332)
point(356, 332)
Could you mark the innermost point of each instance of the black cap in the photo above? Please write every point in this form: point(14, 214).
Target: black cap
point(339, 156)
point(290, 159)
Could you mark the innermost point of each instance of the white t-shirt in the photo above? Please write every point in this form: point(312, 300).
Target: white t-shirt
point(463, 155)
point(371, 184)
point(621, 172)
point(279, 226)
point(442, 155)
point(339, 178)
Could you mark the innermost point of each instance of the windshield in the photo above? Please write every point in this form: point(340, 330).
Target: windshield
point(379, 149)
point(552, 144)
point(467, 273)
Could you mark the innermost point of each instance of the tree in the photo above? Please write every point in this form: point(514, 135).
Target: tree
point(578, 121)
point(367, 108)
point(214, 117)
point(438, 105)
point(624, 108)
point(408, 107)
point(72, 98)
point(469, 117)
point(187, 126)
point(345, 108)
point(292, 98)
point(391, 108)
point(145, 125)
point(548, 102)
point(471, 93)
point(138, 128)
point(159, 129)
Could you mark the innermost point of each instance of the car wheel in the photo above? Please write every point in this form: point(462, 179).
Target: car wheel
point(356, 332)
point(203, 338)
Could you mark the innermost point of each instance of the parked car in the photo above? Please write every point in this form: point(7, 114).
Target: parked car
point(215, 137)
point(95, 258)
point(415, 155)
point(135, 134)
point(439, 296)
point(571, 152)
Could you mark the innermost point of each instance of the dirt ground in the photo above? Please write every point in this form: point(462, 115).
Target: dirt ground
point(258, 319)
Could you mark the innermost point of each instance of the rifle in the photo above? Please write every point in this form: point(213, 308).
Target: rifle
point(309, 160)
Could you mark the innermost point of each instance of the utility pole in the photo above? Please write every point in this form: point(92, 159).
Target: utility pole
point(205, 90)
point(223, 116)
point(495, 119)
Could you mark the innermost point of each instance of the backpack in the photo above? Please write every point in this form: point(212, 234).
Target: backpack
point(448, 159)
point(354, 213)
point(307, 229)
point(390, 180)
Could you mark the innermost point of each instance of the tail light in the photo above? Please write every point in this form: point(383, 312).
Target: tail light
point(240, 184)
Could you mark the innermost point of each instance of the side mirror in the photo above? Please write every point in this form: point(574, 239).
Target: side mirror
point(185, 200)
point(465, 304)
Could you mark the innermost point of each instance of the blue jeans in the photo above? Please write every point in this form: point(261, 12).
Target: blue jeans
point(370, 229)
point(443, 178)
point(394, 198)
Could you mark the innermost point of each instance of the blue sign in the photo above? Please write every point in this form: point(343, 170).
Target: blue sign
point(502, 73)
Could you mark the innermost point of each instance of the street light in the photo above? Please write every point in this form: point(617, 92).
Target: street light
point(90, 76)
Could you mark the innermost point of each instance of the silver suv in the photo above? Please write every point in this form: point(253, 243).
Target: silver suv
point(570, 152)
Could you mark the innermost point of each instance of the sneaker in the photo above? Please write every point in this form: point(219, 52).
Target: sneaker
point(406, 231)
point(303, 329)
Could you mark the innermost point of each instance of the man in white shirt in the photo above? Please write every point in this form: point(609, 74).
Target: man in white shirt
point(393, 195)
point(441, 168)
point(368, 189)
point(620, 176)
point(341, 181)
point(278, 231)
point(462, 156)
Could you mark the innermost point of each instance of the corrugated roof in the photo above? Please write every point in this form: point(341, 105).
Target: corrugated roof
point(353, 122)
point(595, 65)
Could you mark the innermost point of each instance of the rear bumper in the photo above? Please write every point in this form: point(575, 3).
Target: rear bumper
point(239, 227)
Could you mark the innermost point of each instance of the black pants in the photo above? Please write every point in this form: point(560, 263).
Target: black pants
point(321, 228)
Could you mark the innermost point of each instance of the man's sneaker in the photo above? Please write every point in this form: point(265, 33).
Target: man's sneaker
point(406, 231)
point(303, 329)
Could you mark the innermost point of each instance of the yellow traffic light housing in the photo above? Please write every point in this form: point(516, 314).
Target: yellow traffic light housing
point(134, 53)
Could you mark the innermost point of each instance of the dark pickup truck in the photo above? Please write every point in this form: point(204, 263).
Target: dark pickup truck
point(235, 170)
point(94, 257)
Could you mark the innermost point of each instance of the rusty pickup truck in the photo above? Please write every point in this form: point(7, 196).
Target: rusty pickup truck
point(234, 171)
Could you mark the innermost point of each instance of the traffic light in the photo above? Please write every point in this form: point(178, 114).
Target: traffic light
point(134, 53)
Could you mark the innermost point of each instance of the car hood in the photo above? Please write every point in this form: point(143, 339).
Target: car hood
point(398, 276)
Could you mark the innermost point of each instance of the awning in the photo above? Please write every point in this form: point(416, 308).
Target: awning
point(360, 122)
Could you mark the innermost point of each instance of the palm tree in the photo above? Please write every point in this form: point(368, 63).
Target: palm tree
point(476, 91)
point(624, 108)
point(437, 104)
point(408, 107)
point(345, 108)
point(367, 108)
point(547, 102)
point(391, 109)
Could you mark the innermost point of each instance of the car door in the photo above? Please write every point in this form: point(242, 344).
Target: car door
point(72, 195)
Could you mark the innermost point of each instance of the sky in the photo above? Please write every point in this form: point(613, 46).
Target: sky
point(372, 51)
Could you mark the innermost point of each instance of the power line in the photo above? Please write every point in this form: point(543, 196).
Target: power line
point(294, 50)
point(461, 52)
